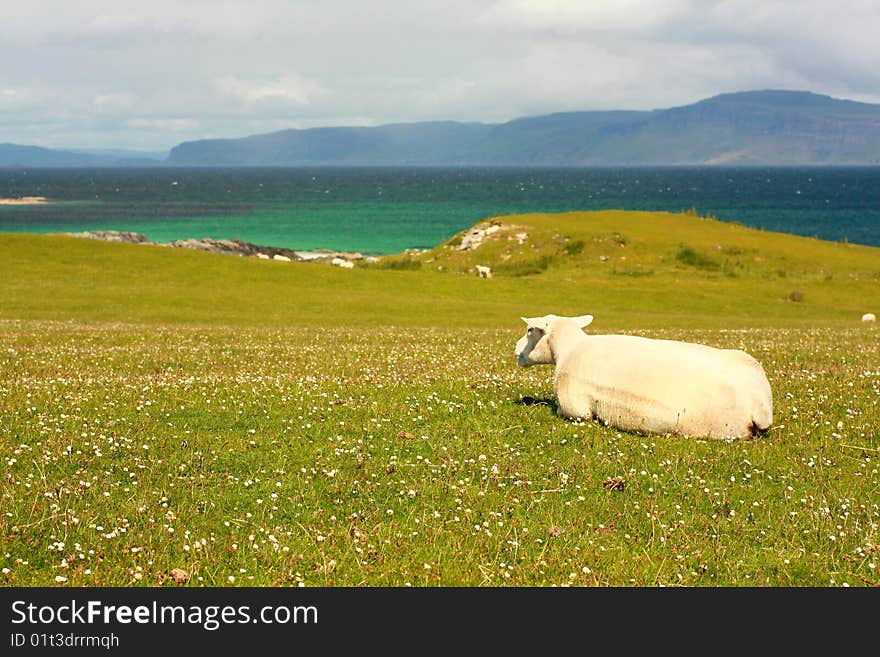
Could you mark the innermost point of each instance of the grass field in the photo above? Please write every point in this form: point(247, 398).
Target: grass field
point(276, 424)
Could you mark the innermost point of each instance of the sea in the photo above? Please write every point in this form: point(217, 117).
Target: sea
point(382, 210)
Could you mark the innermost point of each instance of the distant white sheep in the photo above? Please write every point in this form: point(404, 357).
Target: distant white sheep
point(281, 258)
point(869, 317)
point(484, 272)
point(342, 262)
point(649, 386)
point(262, 256)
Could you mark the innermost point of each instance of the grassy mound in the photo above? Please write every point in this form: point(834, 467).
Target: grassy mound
point(629, 269)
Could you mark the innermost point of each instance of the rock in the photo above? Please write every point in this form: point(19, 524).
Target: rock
point(472, 240)
point(475, 237)
point(192, 244)
point(342, 262)
point(308, 256)
point(232, 246)
point(112, 236)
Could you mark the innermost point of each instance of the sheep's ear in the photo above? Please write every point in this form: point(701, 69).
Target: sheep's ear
point(583, 320)
point(542, 323)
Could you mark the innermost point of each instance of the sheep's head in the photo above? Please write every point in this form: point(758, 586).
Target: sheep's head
point(534, 347)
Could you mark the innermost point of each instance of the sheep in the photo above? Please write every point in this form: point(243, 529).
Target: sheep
point(649, 386)
point(484, 272)
point(341, 262)
point(280, 258)
point(869, 317)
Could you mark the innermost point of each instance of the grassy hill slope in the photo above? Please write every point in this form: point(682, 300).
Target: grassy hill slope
point(642, 264)
point(626, 268)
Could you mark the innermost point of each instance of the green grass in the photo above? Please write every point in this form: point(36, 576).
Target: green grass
point(63, 278)
point(689, 256)
point(275, 424)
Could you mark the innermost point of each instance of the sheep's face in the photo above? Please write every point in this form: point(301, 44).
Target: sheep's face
point(533, 348)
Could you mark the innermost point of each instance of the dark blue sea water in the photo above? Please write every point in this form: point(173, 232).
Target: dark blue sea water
point(386, 210)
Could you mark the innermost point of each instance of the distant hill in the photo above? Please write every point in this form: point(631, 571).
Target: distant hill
point(753, 127)
point(18, 155)
point(405, 143)
point(768, 127)
point(744, 128)
point(125, 157)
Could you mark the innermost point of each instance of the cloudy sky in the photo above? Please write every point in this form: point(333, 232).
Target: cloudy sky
point(149, 74)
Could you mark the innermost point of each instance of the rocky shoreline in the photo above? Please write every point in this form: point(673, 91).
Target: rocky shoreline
point(228, 247)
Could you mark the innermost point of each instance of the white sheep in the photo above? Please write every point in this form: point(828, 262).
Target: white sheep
point(280, 258)
point(869, 317)
point(649, 386)
point(483, 271)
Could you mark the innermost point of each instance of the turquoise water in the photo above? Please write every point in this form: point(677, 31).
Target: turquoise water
point(386, 210)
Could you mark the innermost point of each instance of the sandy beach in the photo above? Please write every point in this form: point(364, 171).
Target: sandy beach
point(24, 200)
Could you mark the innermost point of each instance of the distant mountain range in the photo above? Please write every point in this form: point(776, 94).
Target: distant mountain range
point(17, 155)
point(745, 128)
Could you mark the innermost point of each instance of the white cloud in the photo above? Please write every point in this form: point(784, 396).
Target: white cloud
point(114, 73)
point(115, 102)
point(288, 89)
point(173, 125)
point(15, 99)
point(580, 16)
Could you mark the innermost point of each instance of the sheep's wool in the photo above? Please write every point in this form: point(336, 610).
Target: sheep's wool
point(649, 386)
